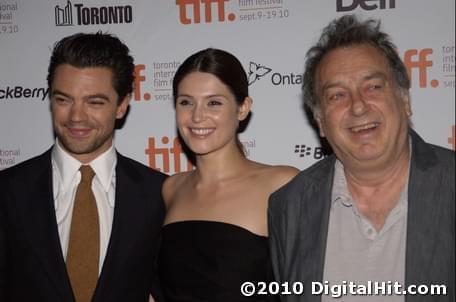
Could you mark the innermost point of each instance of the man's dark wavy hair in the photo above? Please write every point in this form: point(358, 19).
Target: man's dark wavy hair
point(95, 50)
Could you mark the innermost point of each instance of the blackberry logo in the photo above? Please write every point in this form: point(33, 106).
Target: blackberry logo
point(303, 150)
point(19, 92)
point(314, 152)
point(92, 15)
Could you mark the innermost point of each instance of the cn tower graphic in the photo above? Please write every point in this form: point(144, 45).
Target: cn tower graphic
point(64, 16)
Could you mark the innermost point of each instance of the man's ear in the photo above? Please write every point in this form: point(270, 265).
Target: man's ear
point(318, 119)
point(407, 106)
point(244, 109)
point(123, 106)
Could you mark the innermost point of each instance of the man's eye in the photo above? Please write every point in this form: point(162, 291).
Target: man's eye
point(336, 96)
point(60, 100)
point(96, 103)
point(374, 87)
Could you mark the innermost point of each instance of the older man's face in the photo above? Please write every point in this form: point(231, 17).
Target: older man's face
point(363, 114)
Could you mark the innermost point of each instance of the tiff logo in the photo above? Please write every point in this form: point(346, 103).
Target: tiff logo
point(345, 6)
point(195, 7)
point(64, 16)
point(421, 63)
point(140, 78)
point(166, 152)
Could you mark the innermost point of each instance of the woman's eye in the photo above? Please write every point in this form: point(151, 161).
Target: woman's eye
point(183, 102)
point(214, 103)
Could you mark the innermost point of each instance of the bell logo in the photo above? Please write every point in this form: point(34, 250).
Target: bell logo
point(175, 151)
point(349, 5)
point(422, 64)
point(195, 6)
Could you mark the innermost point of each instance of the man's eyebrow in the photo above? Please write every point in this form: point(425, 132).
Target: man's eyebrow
point(97, 96)
point(330, 85)
point(370, 76)
point(56, 91)
point(375, 75)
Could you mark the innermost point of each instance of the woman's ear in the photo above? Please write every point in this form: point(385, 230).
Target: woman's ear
point(244, 109)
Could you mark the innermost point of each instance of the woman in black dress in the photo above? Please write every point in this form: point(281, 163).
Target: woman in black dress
point(215, 232)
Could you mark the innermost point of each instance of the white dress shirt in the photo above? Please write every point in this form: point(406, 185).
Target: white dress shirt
point(66, 178)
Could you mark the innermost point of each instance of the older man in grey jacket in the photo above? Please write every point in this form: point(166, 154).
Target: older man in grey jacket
point(374, 221)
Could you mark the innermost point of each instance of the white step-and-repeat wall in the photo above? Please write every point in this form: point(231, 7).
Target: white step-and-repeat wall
point(270, 37)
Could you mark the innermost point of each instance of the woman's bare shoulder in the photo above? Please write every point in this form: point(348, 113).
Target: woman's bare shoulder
point(276, 176)
point(172, 184)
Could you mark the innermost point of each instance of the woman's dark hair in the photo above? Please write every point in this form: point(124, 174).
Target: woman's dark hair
point(95, 50)
point(219, 63)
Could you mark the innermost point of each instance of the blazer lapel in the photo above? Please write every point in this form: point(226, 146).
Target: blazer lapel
point(423, 214)
point(41, 227)
point(314, 227)
point(121, 233)
point(324, 206)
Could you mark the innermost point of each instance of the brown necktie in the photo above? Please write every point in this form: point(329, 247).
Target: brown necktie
point(84, 246)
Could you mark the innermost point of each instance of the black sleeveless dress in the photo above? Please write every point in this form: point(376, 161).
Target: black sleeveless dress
point(207, 261)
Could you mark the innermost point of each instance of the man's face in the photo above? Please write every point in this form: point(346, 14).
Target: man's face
point(363, 114)
point(84, 110)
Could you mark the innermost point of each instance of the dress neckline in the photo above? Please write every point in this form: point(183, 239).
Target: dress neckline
point(213, 222)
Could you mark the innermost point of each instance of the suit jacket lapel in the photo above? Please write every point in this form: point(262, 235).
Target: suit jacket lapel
point(423, 214)
point(121, 232)
point(314, 226)
point(324, 204)
point(39, 219)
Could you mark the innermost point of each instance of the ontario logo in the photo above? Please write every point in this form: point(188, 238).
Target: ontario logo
point(78, 14)
point(258, 71)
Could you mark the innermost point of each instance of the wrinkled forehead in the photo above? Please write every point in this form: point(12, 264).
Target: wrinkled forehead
point(349, 62)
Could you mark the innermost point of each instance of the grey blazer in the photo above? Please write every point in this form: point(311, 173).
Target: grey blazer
point(298, 217)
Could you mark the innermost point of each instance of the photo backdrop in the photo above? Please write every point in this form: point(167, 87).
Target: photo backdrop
point(270, 38)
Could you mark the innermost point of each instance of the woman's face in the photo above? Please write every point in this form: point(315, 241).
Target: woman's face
point(207, 114)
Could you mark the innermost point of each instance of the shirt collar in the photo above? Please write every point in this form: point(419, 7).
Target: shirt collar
point(340, 191)
point(68, 166)
point(105, 166)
